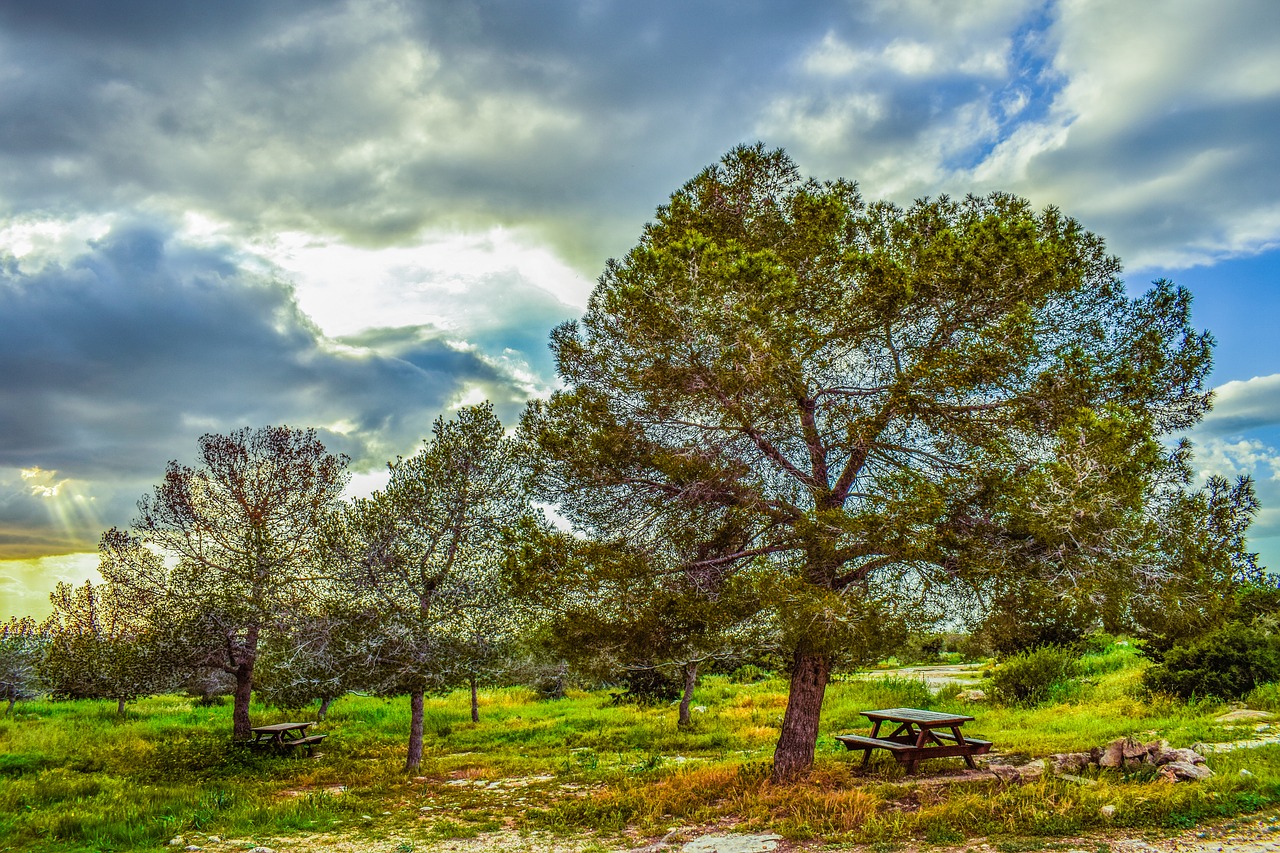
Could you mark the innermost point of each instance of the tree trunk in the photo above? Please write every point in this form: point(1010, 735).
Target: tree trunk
point(475, 703)
point(243, 659)
point(13, 700)
point(120, 707)
point(241, 728)
point(415, 732)
point(794, 755)
point(690, 681)
point(324, 708)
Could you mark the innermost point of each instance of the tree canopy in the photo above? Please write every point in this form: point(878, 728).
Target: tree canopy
point(877, 401)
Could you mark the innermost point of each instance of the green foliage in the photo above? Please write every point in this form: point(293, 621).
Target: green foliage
point(1226, 664)
point(1029, 614)
point(1031, 678)
point(1210, 578)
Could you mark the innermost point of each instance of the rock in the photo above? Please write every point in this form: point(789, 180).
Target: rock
point(177, 841)
point(699, 709)
point(732, 844)
point(1079, 780)
point(1108, 811)
point(214, 839)
point(1245, 772)
point(1069, 762)
point(1134, 751)
point(1113, 755)
point(1182, 771)
point(1243, 714)
point(1187, 756)
point(974, 695)
point(262, 850)
point(1017, 773)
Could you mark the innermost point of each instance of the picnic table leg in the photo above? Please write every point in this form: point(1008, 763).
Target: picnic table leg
point(968, 759)
point(866, 750)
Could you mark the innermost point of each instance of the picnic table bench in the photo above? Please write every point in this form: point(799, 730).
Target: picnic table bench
point(284, 737)
point(917, 737)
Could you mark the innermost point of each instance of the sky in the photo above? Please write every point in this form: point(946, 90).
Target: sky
point(357, 215)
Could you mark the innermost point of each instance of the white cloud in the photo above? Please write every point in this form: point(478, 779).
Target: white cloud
point(1156, 136)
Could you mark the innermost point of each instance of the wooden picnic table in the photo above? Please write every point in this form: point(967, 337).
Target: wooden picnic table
point(286, 736)
point(917, 737)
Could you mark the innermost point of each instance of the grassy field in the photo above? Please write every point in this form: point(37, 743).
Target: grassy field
point(74, 776)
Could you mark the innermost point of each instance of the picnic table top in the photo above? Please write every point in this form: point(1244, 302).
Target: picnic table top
point(917, 716)
point(282, 727)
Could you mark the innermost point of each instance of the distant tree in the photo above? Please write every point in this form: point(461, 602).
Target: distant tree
point(239, 532)
point(886, 401)
point(22, 649)
point(421, 561)
point(303, 661)
point(101, 648)
point(616, 616)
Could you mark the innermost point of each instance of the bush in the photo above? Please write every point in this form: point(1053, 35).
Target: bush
point(649, 686)
point(1030, 678)
point(749, 673)
point(1226, 664)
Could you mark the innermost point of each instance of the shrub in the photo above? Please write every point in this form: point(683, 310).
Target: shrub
point(1227, 664)
point(748, 673)
point(1029, 678)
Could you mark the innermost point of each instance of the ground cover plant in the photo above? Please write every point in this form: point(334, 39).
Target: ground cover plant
point(78, 776)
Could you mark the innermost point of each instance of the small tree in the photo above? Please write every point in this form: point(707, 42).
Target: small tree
point(421, 562)
point(611, 617)
point(240, 530)
point(100, 648)
point(22, 650)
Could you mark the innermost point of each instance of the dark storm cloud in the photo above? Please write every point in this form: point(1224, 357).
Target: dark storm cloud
point(117, 361)
point(146, 22)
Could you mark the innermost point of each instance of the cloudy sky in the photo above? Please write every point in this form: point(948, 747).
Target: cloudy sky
point(356, 215)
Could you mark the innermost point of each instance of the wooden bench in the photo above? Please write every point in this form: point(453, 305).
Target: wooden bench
point(870, 743)
point(310, 742)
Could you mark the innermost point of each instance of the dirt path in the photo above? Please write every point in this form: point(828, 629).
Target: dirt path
point(1255, 834)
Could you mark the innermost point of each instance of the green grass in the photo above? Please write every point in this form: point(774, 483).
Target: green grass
point(74, 776)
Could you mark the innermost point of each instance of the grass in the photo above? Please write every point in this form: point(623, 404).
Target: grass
point(74, 776)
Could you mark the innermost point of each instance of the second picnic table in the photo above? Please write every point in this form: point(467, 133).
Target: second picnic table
point(285, 736)
point(917, 737)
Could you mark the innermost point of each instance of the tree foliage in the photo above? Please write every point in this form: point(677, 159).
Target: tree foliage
point(876, 401)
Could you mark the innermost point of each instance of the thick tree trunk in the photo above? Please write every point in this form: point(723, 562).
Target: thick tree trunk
point(241, 728)
point(243, 659)
point(475, 702)
point(794, 755)
point(690, 681)
point(415, 732)
point(324, 708)
point(120, 707)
